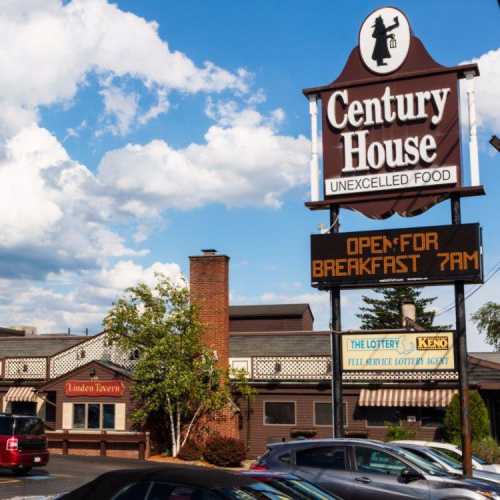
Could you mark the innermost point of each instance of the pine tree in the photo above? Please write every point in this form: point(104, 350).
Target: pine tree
point(385, 313)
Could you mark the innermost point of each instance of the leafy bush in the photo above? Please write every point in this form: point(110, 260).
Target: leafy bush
point(487, 449)
point(479, 419)
point(190, 451)
point(397, 432)
point(224, 451)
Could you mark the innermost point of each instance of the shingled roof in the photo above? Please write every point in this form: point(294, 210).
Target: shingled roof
point(37, 345)
point(279, 344)
point(267, 310)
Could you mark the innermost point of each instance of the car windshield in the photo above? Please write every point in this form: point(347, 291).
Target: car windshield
point(421, 463)
point(6, 425)
point(27, 425)
point(257, 490)
point(301, 490)
point(447, 459)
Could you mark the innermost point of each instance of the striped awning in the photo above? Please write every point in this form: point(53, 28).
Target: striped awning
point(26, 394)
point(406, 397)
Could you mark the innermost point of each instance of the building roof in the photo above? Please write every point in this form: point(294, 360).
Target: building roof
point(494, 357)
point(293, 343)
point(267, 310)
point(37, 345)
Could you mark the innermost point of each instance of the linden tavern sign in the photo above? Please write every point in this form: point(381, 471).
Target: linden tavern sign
point(391, 132)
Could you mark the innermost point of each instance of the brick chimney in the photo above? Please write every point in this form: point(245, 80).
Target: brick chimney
point(209, 288)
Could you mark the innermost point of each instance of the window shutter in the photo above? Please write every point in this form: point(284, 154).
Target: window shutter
point(120, 416)
point(67, 415)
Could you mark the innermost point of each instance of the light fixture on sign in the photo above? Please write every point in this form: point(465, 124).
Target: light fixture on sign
point(384, 40)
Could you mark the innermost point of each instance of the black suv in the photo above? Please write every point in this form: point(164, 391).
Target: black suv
point(359, 469)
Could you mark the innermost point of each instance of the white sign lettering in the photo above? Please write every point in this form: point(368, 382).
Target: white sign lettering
point(392, 180)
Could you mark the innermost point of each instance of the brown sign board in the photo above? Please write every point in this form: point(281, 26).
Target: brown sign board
point(94, 388)
point(398, 351)
point(391, 139)
point(415, 256)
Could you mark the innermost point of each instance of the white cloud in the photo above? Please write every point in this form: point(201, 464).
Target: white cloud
point(487, 88)
point(121, 108)
point(54, 213)
point(74, 300)
point(49, 48)
point(244, 161)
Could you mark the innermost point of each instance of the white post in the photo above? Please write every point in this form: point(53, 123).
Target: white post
point(314, 167)
point(473, 151)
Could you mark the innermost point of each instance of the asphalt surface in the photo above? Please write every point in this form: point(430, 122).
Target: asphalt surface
point(61, 474)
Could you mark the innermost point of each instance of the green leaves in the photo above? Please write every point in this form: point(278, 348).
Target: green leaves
point(487, 319)
point(175, 374)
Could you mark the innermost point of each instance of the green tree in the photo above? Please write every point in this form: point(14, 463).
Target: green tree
point(487, 319)
point(385, 312)
point(479, 419)
point(175, 374)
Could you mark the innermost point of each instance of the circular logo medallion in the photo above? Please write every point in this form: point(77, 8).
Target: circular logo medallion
point(384, 40)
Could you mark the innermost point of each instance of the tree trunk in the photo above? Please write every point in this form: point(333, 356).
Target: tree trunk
point(175, 450)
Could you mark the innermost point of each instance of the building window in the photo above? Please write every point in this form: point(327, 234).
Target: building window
point(279, 413)
point(378, 416)
point(322, 414)
point(432, 417)
point(108, 416)
point(79, 416)
point(93, 416)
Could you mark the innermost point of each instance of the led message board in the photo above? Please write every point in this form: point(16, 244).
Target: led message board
point(398, 351)
point(415, 256)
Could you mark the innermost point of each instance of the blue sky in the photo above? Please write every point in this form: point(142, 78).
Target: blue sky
point(134, 134)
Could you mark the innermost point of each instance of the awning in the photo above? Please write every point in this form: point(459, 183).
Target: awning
point(439, 398)
point(26, 394)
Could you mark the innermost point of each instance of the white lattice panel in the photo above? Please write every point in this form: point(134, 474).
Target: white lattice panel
point(95, 348)
point(25, 368)
point(291, 368)
point(419, 376)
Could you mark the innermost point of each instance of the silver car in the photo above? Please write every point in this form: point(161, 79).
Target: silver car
point(362, 469)
point(447, 463)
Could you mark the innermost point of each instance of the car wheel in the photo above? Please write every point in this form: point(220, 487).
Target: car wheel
point(21, 471)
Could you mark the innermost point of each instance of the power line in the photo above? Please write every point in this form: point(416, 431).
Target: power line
point(450, 307)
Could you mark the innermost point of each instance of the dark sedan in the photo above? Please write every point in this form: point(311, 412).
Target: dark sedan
point(175, 482)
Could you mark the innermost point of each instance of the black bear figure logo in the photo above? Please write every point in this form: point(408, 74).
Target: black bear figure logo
point(381, 34)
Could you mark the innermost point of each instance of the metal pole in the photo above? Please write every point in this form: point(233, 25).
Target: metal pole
point(336, 326)
point(461, 338)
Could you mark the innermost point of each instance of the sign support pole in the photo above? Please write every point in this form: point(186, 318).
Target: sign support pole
point(462, 358)
point(335, 328)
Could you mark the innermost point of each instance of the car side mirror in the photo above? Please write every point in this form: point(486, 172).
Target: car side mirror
point(409, 475)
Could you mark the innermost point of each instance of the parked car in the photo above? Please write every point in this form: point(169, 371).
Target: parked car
point(292, 485)
point(175, 482)
point(362, 469)
point(450, 465)
point(455, 452)
point(23, 444)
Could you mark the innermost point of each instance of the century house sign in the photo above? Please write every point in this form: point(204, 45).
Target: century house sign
point(391, 123)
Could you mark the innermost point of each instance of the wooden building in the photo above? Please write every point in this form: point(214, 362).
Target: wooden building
point(81, 385)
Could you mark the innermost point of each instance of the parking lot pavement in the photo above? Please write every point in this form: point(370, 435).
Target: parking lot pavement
point(61, 474)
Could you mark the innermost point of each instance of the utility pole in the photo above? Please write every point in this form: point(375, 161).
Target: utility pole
point(335, 328)
point(461, 339)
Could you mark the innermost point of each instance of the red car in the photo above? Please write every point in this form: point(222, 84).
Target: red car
point(23, 443)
